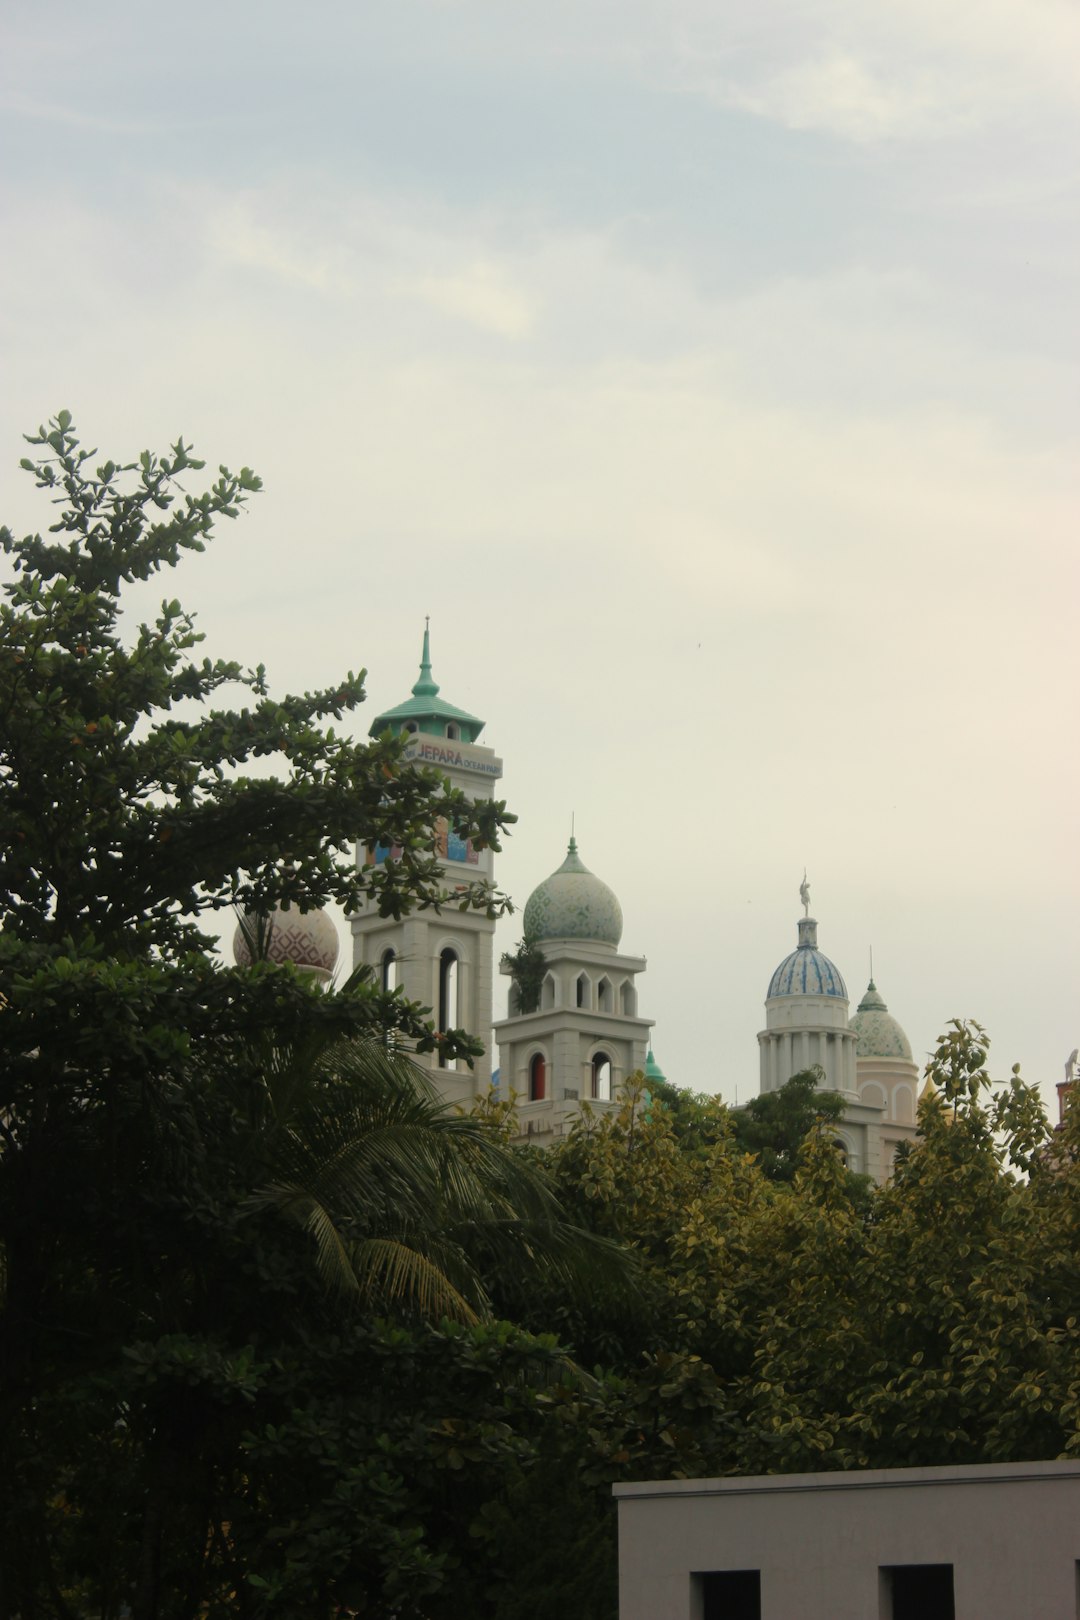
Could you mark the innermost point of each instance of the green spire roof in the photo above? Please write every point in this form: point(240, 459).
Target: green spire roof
point(425, 711)
point(653, 1071)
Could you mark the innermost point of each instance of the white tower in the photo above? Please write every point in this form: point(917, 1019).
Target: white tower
point(806, 1019)
point(443, 960)
point(887, 1076)
point(585, 1037)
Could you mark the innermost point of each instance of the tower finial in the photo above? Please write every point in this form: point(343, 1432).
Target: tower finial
point(572, 847)
point(426, 686)
point(804, 894)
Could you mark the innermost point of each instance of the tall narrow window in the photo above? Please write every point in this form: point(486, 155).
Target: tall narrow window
point(388, 970)
point(603, 996)
point(448, 994)
point(628, 998)
point(583, 990)
point(730, 1594)
point(601, 1077)
point(538, 1078)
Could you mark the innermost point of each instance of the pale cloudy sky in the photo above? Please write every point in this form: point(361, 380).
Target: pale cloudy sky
point(708, 373)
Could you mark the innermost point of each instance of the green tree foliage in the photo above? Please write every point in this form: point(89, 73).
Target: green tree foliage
point(202, 1168)
point(774, 1125)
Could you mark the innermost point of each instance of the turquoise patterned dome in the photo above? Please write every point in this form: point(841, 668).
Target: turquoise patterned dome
point(880, 1036)
point(807, 971)
point(573, 904)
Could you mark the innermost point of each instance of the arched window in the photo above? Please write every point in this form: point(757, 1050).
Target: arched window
point(452, 730)
point(603, 996)
point(628, 998)
point(601, 1077)
point(448, 994)
point(547, 994)
point(537, 1077)
point(841, 1148)
point(388, 969)
point(410, 725)
point(583, 987)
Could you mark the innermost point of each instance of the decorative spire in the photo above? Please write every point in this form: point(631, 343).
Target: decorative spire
point(804, 894)
point(426, 686)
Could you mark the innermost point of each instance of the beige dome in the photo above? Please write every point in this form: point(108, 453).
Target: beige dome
point(307, 939)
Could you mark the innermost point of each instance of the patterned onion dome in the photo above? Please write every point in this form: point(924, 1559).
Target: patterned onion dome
point(573, 904)
point(880, 1036)
point(807, 971)
point(307, 939)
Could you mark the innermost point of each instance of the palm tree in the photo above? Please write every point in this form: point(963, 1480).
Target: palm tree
point(405, 1197)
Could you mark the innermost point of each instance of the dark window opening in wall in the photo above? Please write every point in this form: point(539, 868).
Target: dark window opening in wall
point(842, 1150)
point(582, 991)
point(603, 996)
point(547, 994)
point(538, 1078)
point(601, 1077)
point(918, 1592)
point(452, 731)
point(410, 725)
point(730, 1594)
point(389, 969)
point(448, 995)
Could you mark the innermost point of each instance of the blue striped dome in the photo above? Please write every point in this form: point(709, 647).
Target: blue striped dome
point(807, 971)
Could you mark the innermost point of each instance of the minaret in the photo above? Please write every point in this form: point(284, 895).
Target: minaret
point(443, 960)
point(585, 1035)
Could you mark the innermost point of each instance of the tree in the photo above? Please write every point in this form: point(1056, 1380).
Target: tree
point(159, 1113)
point(775, 1124)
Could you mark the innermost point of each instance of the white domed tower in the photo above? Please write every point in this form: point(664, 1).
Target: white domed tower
point(888, 1077)
point(442, 960)
point(585, 1037)
point(806, 1017)
point(307, 939)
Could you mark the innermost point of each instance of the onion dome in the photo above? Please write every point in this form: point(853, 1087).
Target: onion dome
point(573, 904)
point(307, 939)
point(426, 711)
point(807, 971)
point(653, 1071)
point(880, 1036)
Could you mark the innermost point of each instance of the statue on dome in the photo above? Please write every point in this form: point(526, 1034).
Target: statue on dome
point(804, 893)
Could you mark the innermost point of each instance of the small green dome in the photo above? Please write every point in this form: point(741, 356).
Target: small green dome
point(573, 904)
point(880, 1036)
point(653, 1071)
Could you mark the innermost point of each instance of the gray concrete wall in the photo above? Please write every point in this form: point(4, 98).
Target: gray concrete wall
point(1011, 1532)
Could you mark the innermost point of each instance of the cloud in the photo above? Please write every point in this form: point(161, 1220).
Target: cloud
point(838, 93)
point(482, 295)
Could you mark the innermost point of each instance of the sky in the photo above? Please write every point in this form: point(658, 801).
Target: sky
point(707, 373)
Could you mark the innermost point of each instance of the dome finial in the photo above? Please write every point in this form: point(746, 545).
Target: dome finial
point(571, 848)
point(804, 894)
point(426, 686)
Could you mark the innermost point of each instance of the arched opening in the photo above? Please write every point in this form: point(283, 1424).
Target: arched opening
point(604, 999)
point(448, 994)
point(452, 730)
point(628, 998)
point(537, 1077)
point(841, 1148)
point(388, 969)
point(547, 994)
point(600, 1088)
point(582, 990)
point(410, 725)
